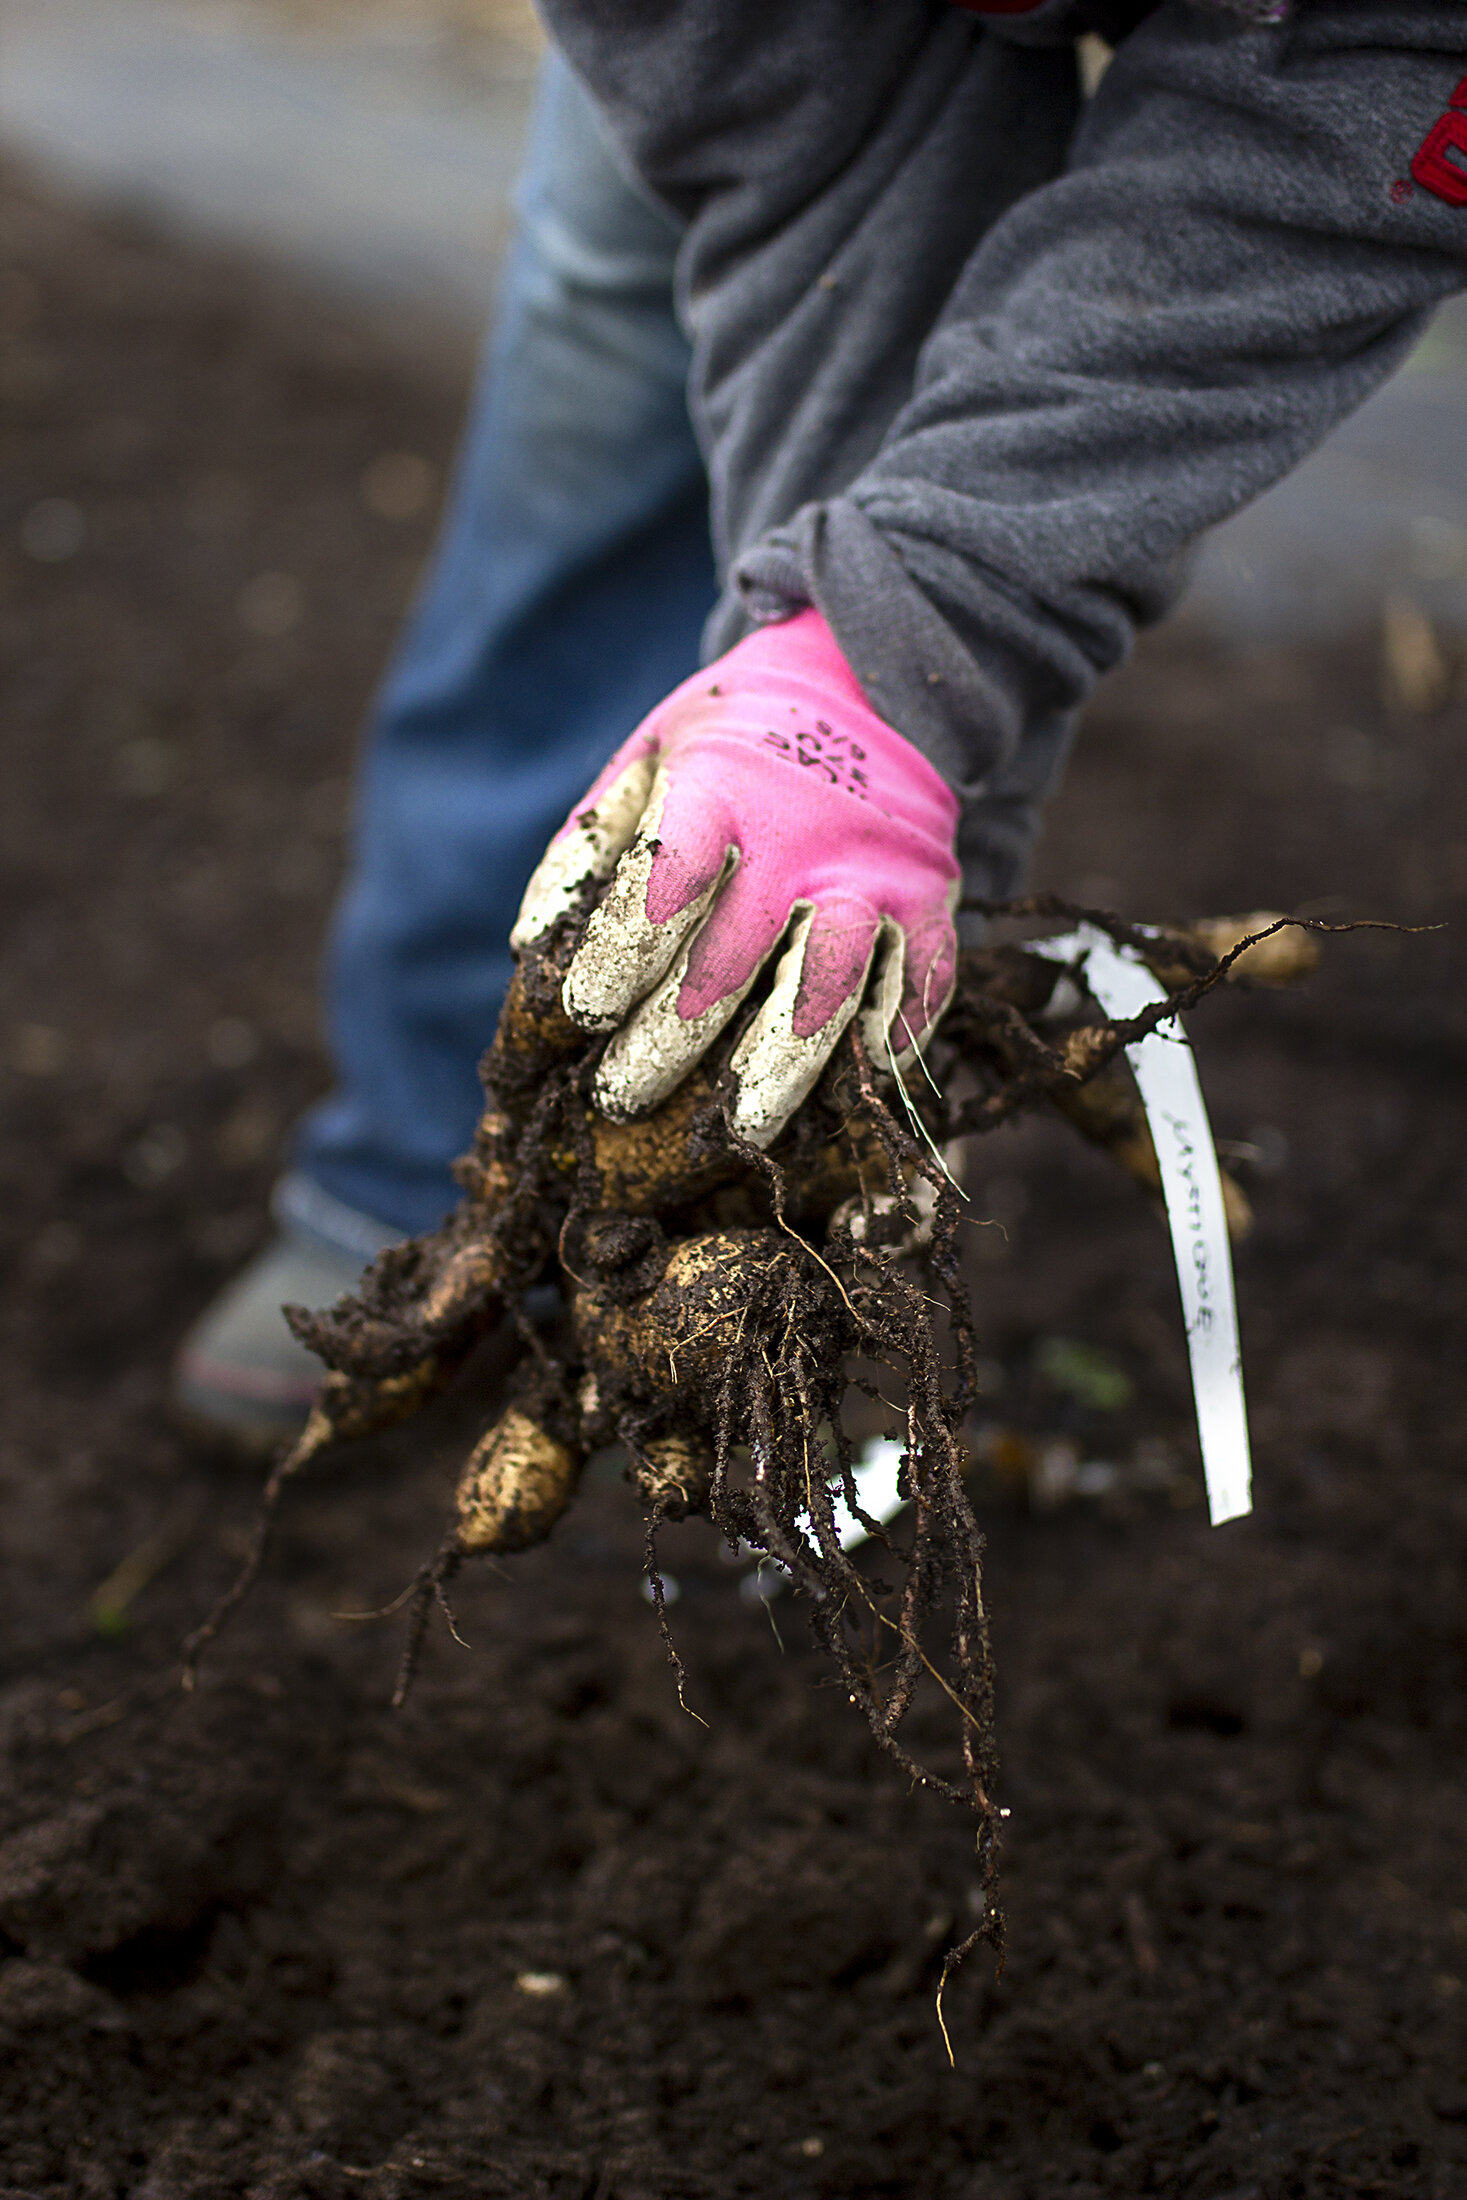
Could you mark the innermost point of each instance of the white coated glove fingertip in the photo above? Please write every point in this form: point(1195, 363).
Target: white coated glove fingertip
point(591, 849)
point(656, 1047)
point(777, 1069)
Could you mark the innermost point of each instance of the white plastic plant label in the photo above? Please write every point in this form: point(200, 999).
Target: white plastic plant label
point(875, 1471)
point(1166, 1074)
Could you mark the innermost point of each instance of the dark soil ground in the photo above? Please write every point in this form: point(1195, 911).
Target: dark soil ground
point(542, 1934)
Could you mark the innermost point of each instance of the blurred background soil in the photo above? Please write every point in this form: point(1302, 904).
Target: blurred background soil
point(541, 1933)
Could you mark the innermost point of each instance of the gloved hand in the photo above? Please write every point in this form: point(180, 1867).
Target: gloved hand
point(763, 799)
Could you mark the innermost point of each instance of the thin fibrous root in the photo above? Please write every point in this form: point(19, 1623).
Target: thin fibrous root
point(290, 1464)
point(428, 1589)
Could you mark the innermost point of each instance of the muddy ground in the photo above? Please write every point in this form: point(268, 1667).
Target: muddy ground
point(542, 1934)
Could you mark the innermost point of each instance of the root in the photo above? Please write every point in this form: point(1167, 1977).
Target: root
point(292, 1463)
point(718, 1296)
point(428, 1589)
point(653, 1574)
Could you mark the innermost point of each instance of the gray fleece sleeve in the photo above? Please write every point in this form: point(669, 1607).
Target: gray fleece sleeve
point(972, 377)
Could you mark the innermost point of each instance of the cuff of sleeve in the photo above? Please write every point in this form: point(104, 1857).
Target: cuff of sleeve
point(971, 711)
point(963, 710)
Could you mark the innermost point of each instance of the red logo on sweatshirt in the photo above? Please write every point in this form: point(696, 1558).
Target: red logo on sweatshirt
point(1440, 165)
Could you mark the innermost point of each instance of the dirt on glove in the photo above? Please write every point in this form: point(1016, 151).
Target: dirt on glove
point(541, 1933)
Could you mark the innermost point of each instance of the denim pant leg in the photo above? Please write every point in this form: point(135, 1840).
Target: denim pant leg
point(567, 595)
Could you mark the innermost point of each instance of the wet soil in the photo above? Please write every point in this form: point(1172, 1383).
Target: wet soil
point(541, 1933)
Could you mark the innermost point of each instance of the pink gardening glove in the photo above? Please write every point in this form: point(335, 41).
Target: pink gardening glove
point(764, 801)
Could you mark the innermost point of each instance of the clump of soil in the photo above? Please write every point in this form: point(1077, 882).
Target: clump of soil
point(540, 1932)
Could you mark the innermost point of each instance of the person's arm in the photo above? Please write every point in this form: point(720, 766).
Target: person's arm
point(1235, 256)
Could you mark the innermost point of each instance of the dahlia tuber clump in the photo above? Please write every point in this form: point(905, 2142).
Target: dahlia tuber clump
point(721, 1301)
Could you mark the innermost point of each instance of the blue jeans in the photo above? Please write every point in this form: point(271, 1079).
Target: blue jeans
point(566, 596)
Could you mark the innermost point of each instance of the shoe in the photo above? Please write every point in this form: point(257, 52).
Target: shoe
point(240, 1375)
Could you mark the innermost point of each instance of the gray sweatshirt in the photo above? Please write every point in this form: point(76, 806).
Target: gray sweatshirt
point(976, 361)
